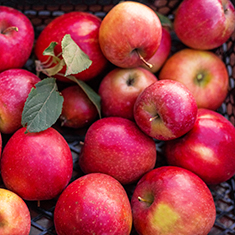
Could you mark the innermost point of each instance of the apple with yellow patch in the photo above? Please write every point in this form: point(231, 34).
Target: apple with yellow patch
point(172, 200)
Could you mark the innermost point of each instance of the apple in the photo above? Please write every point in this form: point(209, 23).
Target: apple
point(165, 110)
point(202, 72)
point(204, 24)
point(14, 214)
point(207, 149)
point(117, 147)
point(130, 34)
point(172, 200)
point(36, 166)
point(78, 111)
point(83, 28)
point(162, 53)
point(119, 89)
point(95, 203)
point(15, 86)
point(16, 38)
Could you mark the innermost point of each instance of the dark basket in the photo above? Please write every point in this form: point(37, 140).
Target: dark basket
point(41, 12)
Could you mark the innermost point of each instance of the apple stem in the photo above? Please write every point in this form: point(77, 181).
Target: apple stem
point(144, 200)
point(10, 29)
point(154, 118)
point(145, 62)
point(38, 204)
point(199, 77)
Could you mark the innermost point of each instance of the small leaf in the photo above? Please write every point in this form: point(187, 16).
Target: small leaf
point(55, 69)
point(43, 106)
point(165, 21)
point(92, 95)
point(75, 59)
point(50, 52)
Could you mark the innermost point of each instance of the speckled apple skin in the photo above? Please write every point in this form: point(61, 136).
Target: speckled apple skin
point(208, 149)
point(14, 214)
point(165, 110)
point(16, 46)
point(181, 203)
point(15, 86)
point(36, 166)
point(93, 204)
point(117, 147)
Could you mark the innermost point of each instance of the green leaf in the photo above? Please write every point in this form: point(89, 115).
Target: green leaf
point(92, 95)
point(43, 106)
point(75, 59)
point(50, 52)
point(55, 69)
point(165, 21)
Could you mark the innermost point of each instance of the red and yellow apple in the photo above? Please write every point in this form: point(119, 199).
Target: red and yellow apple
point(119, 89)
point(202, 72)
point(204, 24)
point(130, 34)
point(95, 203)
point(171, 200)
point(208, 149)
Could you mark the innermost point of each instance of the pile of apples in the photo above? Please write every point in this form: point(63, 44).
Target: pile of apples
point(146, 95)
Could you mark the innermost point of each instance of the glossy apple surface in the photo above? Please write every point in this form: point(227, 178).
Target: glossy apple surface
point(162, 53)
point(130, 29)
point(119, 90)
point(78, 111)
point(36, 166)
point(83, 28)
point(15, 86)
point(202, 72)
point(117, 147)
point(165, 110)
point(16, 38)
point(93, 204)
point(204, 24)
point(171, 200)
point(208, 149)
point(14, 214)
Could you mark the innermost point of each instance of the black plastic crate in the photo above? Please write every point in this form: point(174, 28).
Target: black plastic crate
point(41, 12)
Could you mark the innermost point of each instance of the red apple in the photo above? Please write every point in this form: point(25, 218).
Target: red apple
point(208, 149)
point(16, 38)
point(162, 53)
point(165, 110)
point(78, 111)
point(171, 200)
point(93, 204)
point(36, 166)
point(202, 72)
point(14, 214)
point(83, 28)
point(204, 24)
point(119, 89)
point(117, 147)
point(130, 34)
point(15, 86)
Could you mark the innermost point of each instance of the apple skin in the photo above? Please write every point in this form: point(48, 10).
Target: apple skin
point(207, 149)
point(95, 203)
point(117, 147)
point(214, 16)
point(165, 110)
point(36, 166)
point(15, 86)
point(129, 29)
point(78, 111)
point(14, 214)
point(162, 53)
point(16, 46)
point(83, 28)
point(171, 200)
point(202, 72)
point(119, 90)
